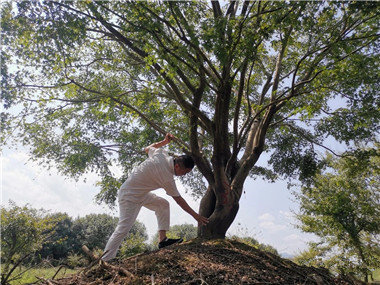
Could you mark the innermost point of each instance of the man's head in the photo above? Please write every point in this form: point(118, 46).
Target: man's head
point(183, 164)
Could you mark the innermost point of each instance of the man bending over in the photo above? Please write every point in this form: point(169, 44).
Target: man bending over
point(155, 172)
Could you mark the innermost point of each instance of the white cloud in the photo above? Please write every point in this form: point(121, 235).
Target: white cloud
point(25, 182)
point(295, 241)
point(292, 238)
point(266, 217)
point(276, 229)
point(288, 215)
point(269, 224)
point(272, 227)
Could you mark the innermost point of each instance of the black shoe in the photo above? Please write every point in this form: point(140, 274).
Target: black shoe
point(169, 241)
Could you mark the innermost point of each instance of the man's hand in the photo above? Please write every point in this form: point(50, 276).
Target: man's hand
point(183, 204)
point(168, 138)
point(202, 220)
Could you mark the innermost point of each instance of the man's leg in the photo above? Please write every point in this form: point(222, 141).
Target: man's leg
point(128, 214)
point(161, 235)
point(162, 209)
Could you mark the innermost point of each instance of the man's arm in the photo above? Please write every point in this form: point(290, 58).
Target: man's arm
point(168, 139)
point(183, 204)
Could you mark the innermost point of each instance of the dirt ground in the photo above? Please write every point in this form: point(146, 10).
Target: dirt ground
point(203, 262)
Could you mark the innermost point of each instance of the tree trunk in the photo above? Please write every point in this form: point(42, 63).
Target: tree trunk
point(221, 213)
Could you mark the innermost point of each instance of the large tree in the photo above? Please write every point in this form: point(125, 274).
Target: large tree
point(95, 81)
point(342, 207)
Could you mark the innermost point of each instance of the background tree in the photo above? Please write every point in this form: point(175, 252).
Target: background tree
point(24, 231)
point(254, 243)
point(94, 230)
point(342, 207)
point(135, 242)
point(61, 241)
point(185, 231)
point(92, 83)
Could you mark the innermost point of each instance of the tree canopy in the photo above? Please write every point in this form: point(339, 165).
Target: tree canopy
point(342, 207)
point(88, 84)
point(23, 232)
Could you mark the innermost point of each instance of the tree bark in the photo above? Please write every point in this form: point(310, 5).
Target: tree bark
point(221, 212)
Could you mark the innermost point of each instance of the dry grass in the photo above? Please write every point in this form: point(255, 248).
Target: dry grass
point(207, 263)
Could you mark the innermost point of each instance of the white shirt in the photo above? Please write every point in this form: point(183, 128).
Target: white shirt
point(154, 173)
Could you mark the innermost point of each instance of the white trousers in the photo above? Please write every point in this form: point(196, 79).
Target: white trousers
point(128, 214)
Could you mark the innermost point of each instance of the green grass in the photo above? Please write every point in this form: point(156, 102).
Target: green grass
point(376, 275)
point(47, 273)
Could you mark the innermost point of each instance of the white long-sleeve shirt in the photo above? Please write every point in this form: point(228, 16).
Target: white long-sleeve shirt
point(154, 173)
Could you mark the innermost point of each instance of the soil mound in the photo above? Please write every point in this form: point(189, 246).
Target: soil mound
point(207, 263)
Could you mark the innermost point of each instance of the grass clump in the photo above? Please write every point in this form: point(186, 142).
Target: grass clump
point(30, 276)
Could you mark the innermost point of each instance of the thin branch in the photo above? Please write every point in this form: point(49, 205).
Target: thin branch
point(216, 9)
point(168, 50)
point(17, 263)
point(235, 149)
point(150, 122)
point(214, 73)
point(311, 140)
point(245, 8)
point(41, 86)
point(232, 8)
point(85, 14)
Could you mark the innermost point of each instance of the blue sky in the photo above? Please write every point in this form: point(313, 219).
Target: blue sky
point(265, 208)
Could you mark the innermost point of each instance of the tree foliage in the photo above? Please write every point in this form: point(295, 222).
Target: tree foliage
point(24, 231)
point(61, 242)
point(93, 230)
point(342, 207)
point(29, 236)
point(90, 83)
point(135, 242)
point(184, 231)
point(254, 243)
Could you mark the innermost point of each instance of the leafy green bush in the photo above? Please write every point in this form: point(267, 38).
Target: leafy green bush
point(75, 260)
point(134, 244)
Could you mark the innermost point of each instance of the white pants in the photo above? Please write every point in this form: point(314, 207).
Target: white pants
point(128, 214)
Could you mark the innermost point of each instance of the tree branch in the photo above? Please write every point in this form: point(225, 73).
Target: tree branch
point(215, 73)
point(17, 263)
point(150, 122)
point(216, 9)
point(235, 148)
point(309, 139)
point(143, 54)
point(232, 8)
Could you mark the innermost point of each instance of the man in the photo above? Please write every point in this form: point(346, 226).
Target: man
point(156, 172)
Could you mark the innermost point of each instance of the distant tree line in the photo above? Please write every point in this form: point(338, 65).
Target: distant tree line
point(31, 237)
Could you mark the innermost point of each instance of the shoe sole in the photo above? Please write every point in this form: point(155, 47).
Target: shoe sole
point(177, 242)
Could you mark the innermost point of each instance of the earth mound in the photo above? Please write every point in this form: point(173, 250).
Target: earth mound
point(207, 263)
